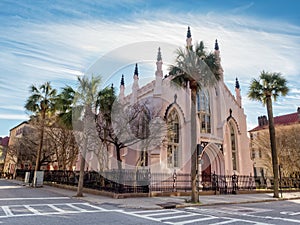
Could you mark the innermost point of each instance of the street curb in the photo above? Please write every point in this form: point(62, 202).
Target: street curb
point(166, 205)
point(233, 203)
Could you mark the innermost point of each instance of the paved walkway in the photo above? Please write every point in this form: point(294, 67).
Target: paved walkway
point(174, 201)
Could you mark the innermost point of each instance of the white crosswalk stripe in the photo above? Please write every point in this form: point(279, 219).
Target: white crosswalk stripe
point(172, 216)
point(47, 209)
point(229, 211)
point(192, 215)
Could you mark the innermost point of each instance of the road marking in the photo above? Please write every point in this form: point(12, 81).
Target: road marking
point(57, 209)
point(10, 187)
point(35, 212)
point(40, 198)
point(163, 213)
point(177, 217)
point(232, 210)
point(290, 213)
point(152, 215)
point(192, 221)
point(187, 217)
point(95, 207)
point(225, 222)
point(7, 211)
point(275, 218)
point(77, 208)
point(245, 214)
point(147, 211)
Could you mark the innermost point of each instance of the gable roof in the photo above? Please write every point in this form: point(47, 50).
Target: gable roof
point(281, 120)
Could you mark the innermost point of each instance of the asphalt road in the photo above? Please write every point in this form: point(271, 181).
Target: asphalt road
point(36, 206)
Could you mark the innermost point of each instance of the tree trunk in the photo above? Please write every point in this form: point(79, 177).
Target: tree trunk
point(273, 146)
point(194, 155)
point(120, 172)
point(119, 161)
point(82, 165)
point(81, 172)
point(39, 152)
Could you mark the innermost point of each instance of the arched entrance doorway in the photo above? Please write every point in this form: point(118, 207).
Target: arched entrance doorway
point(212, 161)
point(205, 167)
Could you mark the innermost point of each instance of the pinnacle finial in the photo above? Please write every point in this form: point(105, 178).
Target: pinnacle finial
point(237, 84)
point(122, 80)
point(216, 45)
point(188, 35)
point(159, 55)
point(136, 71)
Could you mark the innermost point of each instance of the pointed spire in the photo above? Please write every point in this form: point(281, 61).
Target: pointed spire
point(237, 84)
point(238, 96)
point(136, 72)
point(189, 45)
point(159, 55)
point(216, 45)
point(188, 35)
point(122, 80)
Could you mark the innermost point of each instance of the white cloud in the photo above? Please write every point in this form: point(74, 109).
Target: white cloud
point(14, 117)
point(36, 53)
point(12, 107)
point(242, 8)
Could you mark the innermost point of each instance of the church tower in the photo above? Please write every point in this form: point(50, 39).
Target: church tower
point(135, 86)
point(158, 74)
point(218, 60)
point(122, 90)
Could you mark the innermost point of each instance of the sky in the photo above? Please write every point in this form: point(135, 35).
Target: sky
point(59, 40)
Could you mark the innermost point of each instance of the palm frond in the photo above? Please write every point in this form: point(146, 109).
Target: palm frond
point(193, 66)
point(267, 85)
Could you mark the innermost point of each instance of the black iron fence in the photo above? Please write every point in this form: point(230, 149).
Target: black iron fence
point(143, 181)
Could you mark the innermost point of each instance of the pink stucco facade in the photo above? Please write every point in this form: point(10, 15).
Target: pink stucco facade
point(222, 139)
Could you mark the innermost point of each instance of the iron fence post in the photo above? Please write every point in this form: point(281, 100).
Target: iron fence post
point(174, 181)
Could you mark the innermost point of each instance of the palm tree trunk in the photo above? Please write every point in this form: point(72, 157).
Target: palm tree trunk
point(83, 153)
point(194, 156)
point(39, 152)
point(81, 172)
point(273, 146)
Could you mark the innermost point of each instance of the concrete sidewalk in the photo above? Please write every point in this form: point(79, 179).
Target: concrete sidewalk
point(170, 202)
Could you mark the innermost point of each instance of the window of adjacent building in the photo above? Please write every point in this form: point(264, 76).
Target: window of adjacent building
point(251, 136)
point(253, 154)
point(173, 139)
point(233, 146)
point(260, 153)
point(203, 107)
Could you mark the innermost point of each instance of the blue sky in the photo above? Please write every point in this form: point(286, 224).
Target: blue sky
point(58, 40)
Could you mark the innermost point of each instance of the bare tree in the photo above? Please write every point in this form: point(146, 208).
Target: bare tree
point(287, 142)
point(123, 126)
point(64, 145)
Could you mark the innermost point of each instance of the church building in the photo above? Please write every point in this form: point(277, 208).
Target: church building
point(222, 142)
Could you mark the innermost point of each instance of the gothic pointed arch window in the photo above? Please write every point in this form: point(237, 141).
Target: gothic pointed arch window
point(233, 144)
point(203, 107)
point(173, 139)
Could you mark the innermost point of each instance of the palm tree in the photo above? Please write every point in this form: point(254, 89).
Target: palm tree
point(268, 86)
point(77, 111)
point(65, 105)
point(41, 102)
point(198, 69)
